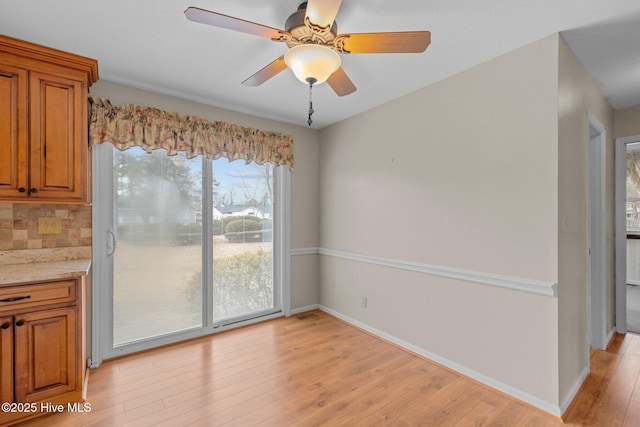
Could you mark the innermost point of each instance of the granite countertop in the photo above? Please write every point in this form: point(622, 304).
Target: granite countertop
point(35, 265)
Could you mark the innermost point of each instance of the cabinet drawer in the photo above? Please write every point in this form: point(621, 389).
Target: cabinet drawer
point(24, 296)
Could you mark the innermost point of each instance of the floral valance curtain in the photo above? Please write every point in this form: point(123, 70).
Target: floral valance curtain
point(150, 128)
point(633, 167)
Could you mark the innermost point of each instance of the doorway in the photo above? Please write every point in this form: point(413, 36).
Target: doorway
point(628, 234)
point(596, 235)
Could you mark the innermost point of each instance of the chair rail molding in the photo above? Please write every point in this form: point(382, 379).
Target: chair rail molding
point(539, 287)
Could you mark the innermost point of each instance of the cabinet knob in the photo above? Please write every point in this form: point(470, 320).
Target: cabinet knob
point(33, 190)
point(20, 323)
point(5, 325)
point(22, 189)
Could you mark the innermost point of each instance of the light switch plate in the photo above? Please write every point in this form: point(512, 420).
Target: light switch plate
point(49, 225)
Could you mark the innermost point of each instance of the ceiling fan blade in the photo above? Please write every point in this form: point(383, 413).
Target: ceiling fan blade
point(266, 73)
point(340, 83)
point(229, 22)
point(400, 42)
point(322, 12)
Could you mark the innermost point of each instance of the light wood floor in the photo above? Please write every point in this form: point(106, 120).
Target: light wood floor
point(320, 371)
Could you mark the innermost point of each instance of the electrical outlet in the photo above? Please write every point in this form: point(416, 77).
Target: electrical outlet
point(49, 225)
point(364, 302)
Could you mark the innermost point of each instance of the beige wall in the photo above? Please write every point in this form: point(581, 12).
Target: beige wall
point(473, 173)
point(579, 96)
point(627, 122)
point(461, 174)
point(304, 198)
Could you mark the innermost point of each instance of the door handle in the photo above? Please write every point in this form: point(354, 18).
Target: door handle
point(111, 250)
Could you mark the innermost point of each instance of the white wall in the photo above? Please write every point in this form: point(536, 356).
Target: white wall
point(304, 185)
point(462, 174)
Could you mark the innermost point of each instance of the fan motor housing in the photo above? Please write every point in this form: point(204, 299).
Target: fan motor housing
point(304, 32)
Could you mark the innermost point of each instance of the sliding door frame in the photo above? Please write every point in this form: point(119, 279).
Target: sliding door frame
point(101, 345)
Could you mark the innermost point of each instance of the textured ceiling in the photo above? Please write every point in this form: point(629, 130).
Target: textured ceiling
point(151, 45)
point(610, 52)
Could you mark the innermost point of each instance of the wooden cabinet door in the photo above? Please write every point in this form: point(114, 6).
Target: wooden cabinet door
point(6, 356)
point(45, 354)
point(58, 138)
point(13, 132)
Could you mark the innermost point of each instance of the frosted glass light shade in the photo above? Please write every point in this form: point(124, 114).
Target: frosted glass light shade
point(323, 12)
point(312, 61)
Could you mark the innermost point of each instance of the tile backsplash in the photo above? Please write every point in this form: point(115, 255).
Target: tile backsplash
point(19, 226)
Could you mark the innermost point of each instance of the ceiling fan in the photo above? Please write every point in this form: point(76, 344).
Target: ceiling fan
point(311, 34)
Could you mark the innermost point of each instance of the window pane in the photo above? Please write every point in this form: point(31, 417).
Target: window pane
point(243, 239)
point(157, 263)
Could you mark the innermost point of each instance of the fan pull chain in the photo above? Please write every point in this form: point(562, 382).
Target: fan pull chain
point(311, 81)
point(309, 121)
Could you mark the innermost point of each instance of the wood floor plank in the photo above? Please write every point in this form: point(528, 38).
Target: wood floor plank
point(419, 387)
point(509, 415)
point(608, 390)
point(316, 397)
point(221, 408)
point(373, 396)
point(127, 417)
point(632, 415)
point(445, 406)
point(318, 370)
point(479, 415)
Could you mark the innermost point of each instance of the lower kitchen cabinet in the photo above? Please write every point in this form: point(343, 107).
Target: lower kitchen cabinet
point(42, 346)
point(45, 354)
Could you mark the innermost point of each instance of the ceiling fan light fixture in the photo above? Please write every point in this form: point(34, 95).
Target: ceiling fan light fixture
point(312, 61)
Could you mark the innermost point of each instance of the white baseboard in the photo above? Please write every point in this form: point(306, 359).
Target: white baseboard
point(528, 398)
point(583, 376)
point(610, 335)
point(574, 390)
point(303, 309)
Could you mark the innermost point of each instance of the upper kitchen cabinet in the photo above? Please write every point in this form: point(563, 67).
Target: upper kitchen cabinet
point(43, 123)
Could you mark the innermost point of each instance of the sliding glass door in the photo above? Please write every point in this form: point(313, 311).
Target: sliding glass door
point(157, 205)
point(243, 273)
point(188, 247)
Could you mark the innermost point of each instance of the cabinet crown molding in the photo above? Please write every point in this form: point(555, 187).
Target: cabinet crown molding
point(46, 54)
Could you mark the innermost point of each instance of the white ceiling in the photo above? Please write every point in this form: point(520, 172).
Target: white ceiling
point(151, 45)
